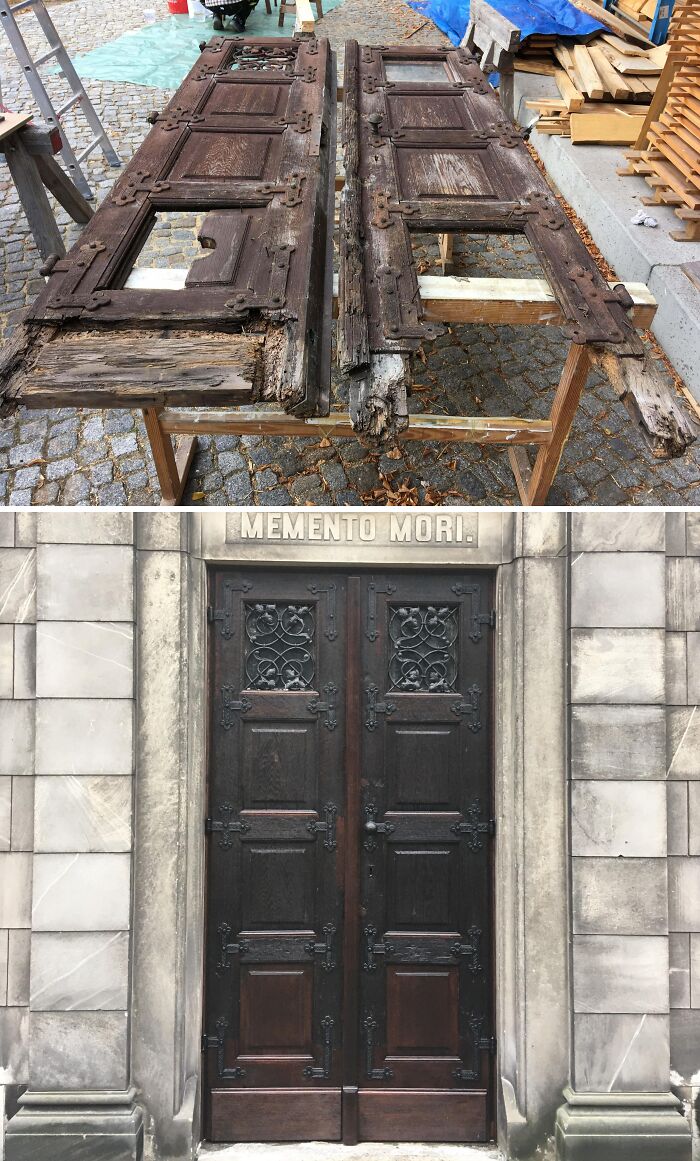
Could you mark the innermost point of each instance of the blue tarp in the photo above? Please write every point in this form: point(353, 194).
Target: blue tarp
point(546, 17)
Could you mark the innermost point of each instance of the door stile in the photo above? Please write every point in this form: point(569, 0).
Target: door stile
point(351, 951)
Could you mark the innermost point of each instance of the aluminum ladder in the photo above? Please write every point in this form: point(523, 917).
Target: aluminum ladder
point(50, 115)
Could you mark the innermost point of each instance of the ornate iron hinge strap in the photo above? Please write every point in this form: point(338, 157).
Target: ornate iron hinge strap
point(225, 614)
point(219, 1043)
point(477, 617)
point(469, 950)
point(372, 827)
point(324, 949)
point(372, 590)
point(388, 278)
point(474, 826)
point(225, 826)
point(324, 1071)
point(138, 184)
point(231, 705)
point(370, 1027)
point(327, 707)
point(470, 708)
point(372, 948)
point(375, 707)
point(327, 827)
point(330, 590)
point(74, 267)
point(479, 1044)
point(227, 949)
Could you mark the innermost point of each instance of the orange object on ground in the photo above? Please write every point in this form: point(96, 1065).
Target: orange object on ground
point(177, 7)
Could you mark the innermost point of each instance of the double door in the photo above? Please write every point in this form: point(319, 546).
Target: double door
point(348, 949)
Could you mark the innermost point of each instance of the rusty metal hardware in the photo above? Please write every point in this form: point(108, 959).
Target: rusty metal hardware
point(136, 185)
point(371, 826)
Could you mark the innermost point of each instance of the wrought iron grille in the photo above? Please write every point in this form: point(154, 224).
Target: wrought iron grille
point(423, 650)
point(279, 651)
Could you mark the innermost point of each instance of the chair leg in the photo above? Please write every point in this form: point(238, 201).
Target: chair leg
point(319, 9)
point(268, 7)
point(283, 8)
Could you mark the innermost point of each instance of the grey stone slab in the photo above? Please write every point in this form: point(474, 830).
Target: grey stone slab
point(25, 529)
point(543, 533)
point(679, 969)
point(622, 589)
point(18, 967)
point(622, 531)
point(684, 894)
point(693, 656)
point(17, 585)
point(692, 526)
point(4, 934)
point(14, 1038)
point(683, 743)
point(5, 813)
point(7, 652)
point(85, 582)
point(81, 892)
point(613, 818)
point(675, 534)
point(616, 666)
point(160, 531)
point(619, 896)
point(78, 1050)
point(685, 1044)
point(88, 527)
point(25, 662)
point(620, 1053)
point(22, 814)
point(16, 737)
point(78, 737)
point(7, 530)
point(84, 659)
point(15, 889)
point(676, 669)
point(620, 973)
point(80, 971)
point(683, 593)
point(693, 817)
point(83, 814)
point(694, 970)
point(677, 798)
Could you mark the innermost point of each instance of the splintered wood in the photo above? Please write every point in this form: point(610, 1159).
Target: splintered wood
point(667, 150)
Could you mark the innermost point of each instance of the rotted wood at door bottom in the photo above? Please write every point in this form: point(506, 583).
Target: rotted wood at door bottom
point(349, 962)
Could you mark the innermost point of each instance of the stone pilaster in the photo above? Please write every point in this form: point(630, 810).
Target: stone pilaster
point(79, 1102)
point(619, 1104)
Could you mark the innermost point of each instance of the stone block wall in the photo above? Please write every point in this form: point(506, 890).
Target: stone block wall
point(683, 787)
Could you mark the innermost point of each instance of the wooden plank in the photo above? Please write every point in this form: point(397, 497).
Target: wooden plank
point(10, 123)
point(304, 17)
point(566, 400)
point(543, 68)
point(620, 45)
point(614, 83)
point(443, 428)
point(37, 208)
point(570, 93)
point(172, 484)
point(412, 1115)
point(59, 184)
point(615, 23)
point(604, 128)
point(590, 81)
point(636, 65)
point(142, 369)
point(651, 402)
point(353, 333)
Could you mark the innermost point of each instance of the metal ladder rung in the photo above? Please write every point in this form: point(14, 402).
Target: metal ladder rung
point(68, 104)
point(88, 149)
point(40, 60)
point(22, 5)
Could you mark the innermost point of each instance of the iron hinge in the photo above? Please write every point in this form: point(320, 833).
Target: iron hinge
point(225, 826)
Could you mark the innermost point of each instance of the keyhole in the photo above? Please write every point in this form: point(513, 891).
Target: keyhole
point(371, 871)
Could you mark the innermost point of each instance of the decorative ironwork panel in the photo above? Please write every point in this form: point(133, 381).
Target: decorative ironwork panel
point(423, 651)
point(280, 651)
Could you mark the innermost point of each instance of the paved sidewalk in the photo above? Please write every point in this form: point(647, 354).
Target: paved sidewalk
point(84, 457)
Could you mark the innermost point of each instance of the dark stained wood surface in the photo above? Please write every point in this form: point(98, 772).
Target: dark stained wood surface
point(368, 697)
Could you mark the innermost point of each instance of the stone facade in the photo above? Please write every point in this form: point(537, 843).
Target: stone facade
point(102, 774)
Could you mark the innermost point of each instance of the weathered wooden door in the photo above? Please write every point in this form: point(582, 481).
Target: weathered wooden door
point(348, 962)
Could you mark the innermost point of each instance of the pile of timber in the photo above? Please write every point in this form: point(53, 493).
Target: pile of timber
point(667, 150)
point(605, 88)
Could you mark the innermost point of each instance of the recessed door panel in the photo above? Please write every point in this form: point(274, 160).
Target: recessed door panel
point(349, 980)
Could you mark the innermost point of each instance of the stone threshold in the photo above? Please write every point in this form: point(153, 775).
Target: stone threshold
point(374, 1151)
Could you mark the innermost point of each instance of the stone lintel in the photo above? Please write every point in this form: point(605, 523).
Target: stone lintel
point(76, 1126)
point(622, 1127)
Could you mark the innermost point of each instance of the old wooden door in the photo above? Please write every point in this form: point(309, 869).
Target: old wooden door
point(348, 949)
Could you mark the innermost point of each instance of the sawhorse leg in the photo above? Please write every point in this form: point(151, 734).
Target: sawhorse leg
point(534, 483)
point(32, 195)
point(172, 466)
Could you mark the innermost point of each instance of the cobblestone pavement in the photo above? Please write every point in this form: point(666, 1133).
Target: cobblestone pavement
point(70, 456)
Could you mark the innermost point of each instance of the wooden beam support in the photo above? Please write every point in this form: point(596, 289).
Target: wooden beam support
point(172, 467)
point(444, 428)
point(566, 401)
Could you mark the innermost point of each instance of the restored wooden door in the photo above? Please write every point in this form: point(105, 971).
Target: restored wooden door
point(348, 948)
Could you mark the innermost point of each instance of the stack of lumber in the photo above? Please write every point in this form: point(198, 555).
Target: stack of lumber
point(667, 149)
point(604, 86)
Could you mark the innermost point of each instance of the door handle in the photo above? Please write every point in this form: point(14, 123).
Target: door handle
point(372, 827)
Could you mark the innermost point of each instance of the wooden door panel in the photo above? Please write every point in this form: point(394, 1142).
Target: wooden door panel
point(275, 1115)
point(422, 1116)
point(278, 765)
point(276, 1010)
point(422, 1011)
point(428, 172)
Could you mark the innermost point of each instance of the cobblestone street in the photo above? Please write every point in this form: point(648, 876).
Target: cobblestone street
point(72, 456)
